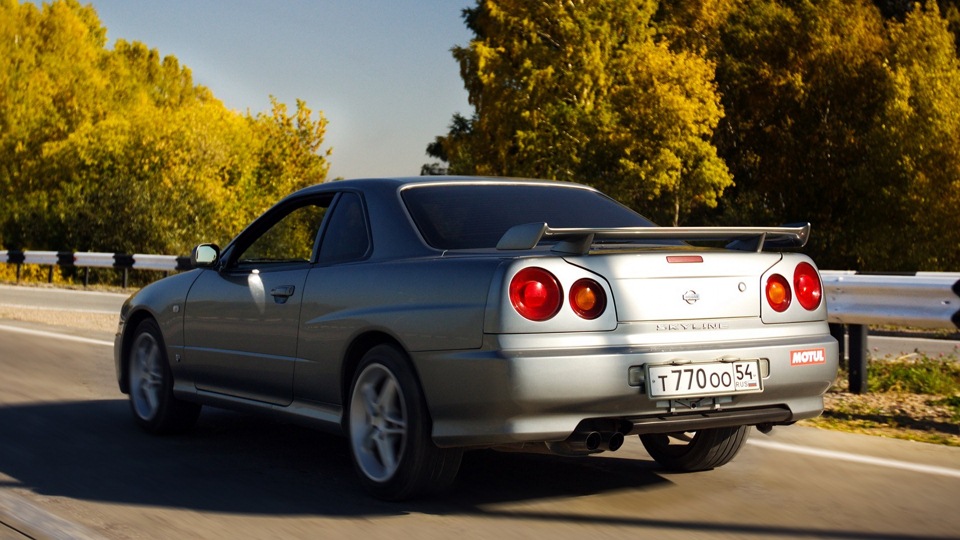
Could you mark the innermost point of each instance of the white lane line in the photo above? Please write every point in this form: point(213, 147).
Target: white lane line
point(54, 335)
point(26, 289)
point(867, 460)
point(67, 310)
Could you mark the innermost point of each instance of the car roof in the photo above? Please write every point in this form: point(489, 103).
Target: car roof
point(398, 182)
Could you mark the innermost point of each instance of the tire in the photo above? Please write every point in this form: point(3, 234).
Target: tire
point(695, 451)
point(389, 430)
point(154, 407)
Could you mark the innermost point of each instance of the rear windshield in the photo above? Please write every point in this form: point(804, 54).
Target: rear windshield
point(473, 216)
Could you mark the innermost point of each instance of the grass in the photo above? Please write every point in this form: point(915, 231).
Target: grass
point(916, 399)
point(98, 279)
point(923, 375)
point(952, 403)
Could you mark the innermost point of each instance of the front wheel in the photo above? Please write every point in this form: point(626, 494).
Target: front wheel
point(389, 429)
point(695, 451)
point(155, 409)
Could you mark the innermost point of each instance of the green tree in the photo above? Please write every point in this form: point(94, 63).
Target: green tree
point(119, 150)
point(838, 116)
point(915, 147)
point(586, 91)
point(49, 85)
point(289, 153)
point(802, 83)
point(161, 181)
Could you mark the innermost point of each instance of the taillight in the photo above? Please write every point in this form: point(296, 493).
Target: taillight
point(806, 282)
point(588, 299)
point(778, 293)
point(535, 294)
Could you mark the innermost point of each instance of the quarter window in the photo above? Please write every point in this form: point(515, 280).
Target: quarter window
point(346, 237)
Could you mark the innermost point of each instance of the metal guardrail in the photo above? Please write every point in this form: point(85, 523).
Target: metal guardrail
point(120, 261)
point(921, 300)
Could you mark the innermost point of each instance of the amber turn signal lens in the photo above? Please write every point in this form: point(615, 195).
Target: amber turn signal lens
point(778, 293)
point(588, 299)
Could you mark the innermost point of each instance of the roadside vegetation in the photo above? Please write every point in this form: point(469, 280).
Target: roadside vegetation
point(914, 397)
point(117, 150)
point(842, 113)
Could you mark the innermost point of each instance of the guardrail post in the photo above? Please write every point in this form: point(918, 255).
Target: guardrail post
point(16, 257)
point(124, 262)
point(858, 358)
point(955, 318)
point(839, 333)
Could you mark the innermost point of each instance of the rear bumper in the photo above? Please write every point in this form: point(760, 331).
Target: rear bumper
point(506, 393)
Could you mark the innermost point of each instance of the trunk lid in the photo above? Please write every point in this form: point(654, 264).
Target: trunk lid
point(675, 284)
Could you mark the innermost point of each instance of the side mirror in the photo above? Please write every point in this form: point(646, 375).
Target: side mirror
point(205, 255)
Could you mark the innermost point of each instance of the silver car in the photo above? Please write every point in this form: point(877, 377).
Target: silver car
point(422, 317)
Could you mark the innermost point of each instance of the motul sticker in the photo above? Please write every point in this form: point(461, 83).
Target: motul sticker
point(808, 356)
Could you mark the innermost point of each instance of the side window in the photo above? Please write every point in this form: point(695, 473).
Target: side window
point(289, 240)
point(346, 237)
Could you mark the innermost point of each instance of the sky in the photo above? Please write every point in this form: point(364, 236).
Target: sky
point(380, 70)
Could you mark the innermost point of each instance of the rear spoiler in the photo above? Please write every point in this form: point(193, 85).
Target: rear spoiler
point(579, 240)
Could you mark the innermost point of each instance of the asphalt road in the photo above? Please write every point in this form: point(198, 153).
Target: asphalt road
point(73, 465)
point(50, 298)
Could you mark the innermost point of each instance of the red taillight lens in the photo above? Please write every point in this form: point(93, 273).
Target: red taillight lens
point(806, 282)
point(778, 293)
point(535, 294)
point(588, 299)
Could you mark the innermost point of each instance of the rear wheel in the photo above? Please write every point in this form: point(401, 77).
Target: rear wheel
point(389, 429)
point(154, 407)
point(695, 450)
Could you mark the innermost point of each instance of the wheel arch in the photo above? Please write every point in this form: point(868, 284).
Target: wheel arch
point(358, 348)
point(126, 341)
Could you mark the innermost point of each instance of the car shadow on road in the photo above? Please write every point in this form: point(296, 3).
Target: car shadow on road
point(236, 463)
point(245, 464)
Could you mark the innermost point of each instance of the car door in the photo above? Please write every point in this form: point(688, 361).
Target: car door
point(332, 306)
point(241, 322)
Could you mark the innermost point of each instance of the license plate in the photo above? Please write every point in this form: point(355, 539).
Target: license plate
point(696, 380)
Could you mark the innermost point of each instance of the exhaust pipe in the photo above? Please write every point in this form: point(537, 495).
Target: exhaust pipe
point(591, 440)
point(581, 443)
point(611, 441)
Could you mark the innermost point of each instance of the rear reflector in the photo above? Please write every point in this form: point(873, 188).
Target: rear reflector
point(684, 259)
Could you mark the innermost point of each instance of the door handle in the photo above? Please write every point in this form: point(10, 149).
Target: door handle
point(283, 291)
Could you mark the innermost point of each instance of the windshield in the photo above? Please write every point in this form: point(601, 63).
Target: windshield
point(475, 216)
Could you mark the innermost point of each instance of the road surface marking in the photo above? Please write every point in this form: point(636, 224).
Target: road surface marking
point(867, 460)
point(61, 309)
point(55, 335)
